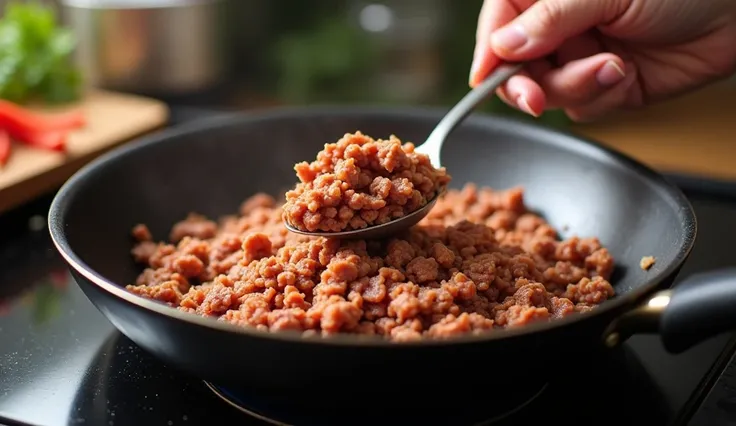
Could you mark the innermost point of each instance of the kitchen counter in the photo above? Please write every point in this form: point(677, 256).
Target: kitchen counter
point(695, 134)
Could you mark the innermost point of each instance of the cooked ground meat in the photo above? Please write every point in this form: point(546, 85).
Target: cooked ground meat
point(647, 262)
point(358, 182)
point(478, 262)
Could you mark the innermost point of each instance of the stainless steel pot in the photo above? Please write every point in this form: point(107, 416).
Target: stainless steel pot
point(148, 46)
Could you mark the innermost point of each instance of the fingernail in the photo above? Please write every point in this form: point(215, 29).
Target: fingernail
point(473, 70)
point(609, 74)
point(509, 38)
point(474, 65)
point(524, 105)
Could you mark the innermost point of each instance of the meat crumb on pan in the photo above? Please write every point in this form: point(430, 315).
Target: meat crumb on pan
point(479, 261)
point(647, 262)
point(359, 182)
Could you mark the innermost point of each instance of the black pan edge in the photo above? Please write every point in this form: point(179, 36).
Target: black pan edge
point(572, 142)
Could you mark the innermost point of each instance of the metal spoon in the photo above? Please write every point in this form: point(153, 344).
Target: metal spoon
point(432, 147)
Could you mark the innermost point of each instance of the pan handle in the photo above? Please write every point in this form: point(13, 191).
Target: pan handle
point(701, 306)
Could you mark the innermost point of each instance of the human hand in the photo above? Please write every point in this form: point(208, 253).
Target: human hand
point(589, 57)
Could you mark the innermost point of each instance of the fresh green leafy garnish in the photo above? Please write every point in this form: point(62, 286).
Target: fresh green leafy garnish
point(36, 56)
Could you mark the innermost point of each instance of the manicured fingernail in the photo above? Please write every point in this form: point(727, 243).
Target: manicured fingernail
point(473, 70)
point(509, 38)
point(474, 65)
point(524, 105)
point(609, 74)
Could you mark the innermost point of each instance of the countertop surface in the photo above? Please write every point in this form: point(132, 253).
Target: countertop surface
point(693, 134)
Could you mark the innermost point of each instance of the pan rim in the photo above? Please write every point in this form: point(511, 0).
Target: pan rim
point(572, 142)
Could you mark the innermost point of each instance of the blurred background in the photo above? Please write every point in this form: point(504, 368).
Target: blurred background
point(247, 54)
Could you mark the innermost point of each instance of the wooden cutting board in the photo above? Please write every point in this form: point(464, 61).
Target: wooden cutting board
point(112, 118)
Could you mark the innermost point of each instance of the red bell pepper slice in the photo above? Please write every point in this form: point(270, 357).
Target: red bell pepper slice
point(22, 117)
point(54, 141)
point(38, 130)
point(4, 147)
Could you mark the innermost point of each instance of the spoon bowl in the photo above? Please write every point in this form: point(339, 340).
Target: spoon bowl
point(432, 147)
point(375, 232)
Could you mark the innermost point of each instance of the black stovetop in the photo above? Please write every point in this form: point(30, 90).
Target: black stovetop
point(63, 363)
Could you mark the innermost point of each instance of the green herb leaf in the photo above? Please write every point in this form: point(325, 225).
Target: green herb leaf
point(36, 56)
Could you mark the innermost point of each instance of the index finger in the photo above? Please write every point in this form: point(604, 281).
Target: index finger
point(493, 15)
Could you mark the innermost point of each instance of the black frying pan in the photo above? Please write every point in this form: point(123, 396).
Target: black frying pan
point(210, 167)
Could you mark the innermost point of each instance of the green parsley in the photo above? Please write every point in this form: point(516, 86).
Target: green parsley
point(36, 56)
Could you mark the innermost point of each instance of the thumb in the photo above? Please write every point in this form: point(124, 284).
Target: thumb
point(543, 27)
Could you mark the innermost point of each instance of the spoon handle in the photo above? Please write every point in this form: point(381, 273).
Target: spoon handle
point(433, 145)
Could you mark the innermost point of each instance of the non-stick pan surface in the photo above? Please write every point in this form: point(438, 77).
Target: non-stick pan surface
point(210, 167)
